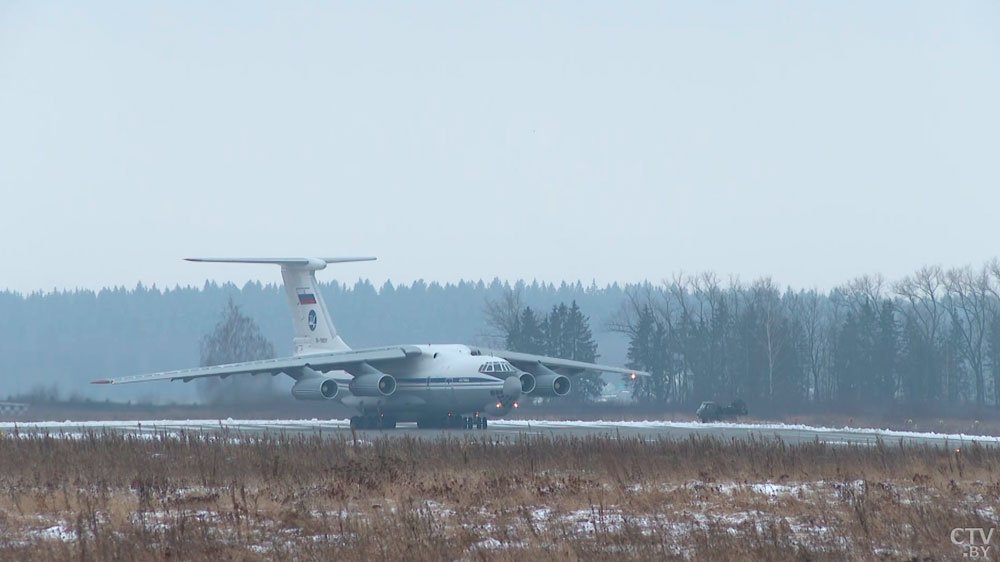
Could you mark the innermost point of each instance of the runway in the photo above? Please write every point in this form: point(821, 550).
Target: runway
point(505, 428)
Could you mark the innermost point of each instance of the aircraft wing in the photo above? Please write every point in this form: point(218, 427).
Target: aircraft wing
point(568, 366)
point(323, 362)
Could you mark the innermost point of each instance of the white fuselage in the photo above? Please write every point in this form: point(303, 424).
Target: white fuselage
point(444, 379)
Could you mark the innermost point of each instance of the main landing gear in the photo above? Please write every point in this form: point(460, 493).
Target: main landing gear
point(449, 421)
point(373, 421)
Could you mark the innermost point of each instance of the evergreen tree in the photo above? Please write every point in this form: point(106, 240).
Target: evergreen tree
point(885, 353)
point(919, 366)
point(527, 335)
point(852, 362)
point(647, 352)
point(564, 333)
point(578, 344)
point(554, 328)
point(993, 351)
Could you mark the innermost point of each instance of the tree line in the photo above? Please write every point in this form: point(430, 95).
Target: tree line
point(929, 340)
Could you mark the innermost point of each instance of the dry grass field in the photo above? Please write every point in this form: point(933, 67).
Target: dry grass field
point(234, 497)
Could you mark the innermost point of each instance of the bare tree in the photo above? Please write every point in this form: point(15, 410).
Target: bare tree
point(970, 304)
point(502, 314)
point(626, 320)
point(994, 332)
point(817, 341)
point(768, 301)
point(866, 290)
point(923, 293)
point(236, 338)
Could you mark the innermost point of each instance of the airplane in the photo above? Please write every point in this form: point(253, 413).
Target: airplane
point(436, 386)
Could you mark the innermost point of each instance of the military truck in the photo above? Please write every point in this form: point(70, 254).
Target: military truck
point(12, 408)
point(710, 411)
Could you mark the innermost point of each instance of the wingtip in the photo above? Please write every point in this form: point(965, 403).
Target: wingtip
point(103, 381)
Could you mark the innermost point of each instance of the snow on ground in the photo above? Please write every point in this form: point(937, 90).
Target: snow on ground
point(320, 425)
point(56, 532)
point(180, 424)
point(760, 427)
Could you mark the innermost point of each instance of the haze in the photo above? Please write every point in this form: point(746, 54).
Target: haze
point(550, 141)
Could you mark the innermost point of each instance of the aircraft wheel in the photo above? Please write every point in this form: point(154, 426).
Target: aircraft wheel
point(355, 422)
point(485, 423)
point(479, 422)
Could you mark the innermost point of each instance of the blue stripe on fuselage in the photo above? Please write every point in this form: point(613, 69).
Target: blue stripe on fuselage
point(450, 380)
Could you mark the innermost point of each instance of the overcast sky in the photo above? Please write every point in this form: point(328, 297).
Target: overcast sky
point(540, 140)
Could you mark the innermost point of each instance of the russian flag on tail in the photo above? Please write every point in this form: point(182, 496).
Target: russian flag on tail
point(306, 297)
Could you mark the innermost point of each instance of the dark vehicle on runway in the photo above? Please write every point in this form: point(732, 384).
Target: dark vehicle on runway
point(710, 411)
point(12, 408)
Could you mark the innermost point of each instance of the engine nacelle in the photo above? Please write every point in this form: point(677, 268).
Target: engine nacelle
point(551, 385)
point(373, 384)
point(527, 383)
point(315, 388)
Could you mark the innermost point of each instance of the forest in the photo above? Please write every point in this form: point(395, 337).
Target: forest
point(927, 342)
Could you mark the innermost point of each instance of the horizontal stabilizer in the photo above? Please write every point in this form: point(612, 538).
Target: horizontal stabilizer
point(283, 261)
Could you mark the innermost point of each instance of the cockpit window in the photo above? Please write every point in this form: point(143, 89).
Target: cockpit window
point(496, 367)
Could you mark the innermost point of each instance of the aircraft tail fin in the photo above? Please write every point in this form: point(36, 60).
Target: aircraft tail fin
point(314, 329)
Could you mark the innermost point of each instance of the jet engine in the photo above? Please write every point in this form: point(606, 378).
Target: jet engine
point(551, 385)
point(373, 384)
point(548, 383)
point(315, 388)
point(527, 383)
